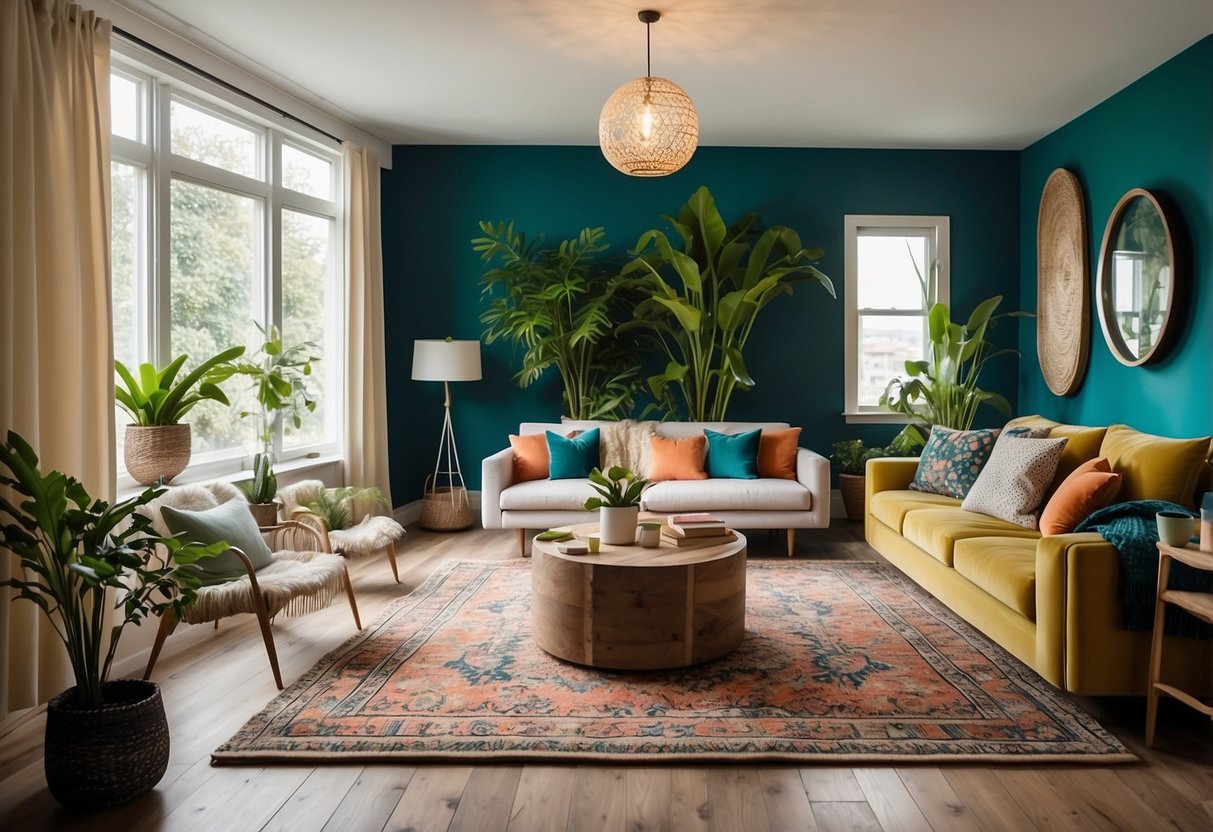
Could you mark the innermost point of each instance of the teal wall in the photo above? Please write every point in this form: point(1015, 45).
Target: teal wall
point(1157, 134)
point(434, 196)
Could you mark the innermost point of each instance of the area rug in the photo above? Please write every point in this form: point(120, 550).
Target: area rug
point(842, 661)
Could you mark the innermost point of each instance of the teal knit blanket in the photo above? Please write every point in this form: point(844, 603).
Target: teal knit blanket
point(1133, 530)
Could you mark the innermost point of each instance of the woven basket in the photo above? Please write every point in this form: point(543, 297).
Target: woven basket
point(852, 487)
point(101, 757)
point(156, 452)
point(445, 509)
point(266, 514)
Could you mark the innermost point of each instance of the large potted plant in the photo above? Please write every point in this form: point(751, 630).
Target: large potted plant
point(106, 741)
point(850, 457)
point(942, 390)
point(618, 503)
point(561, 307)
point(156, 446)
point(280, 378)
point(704, 298)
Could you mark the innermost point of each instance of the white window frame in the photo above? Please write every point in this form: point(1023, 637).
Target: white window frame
point(162, 82)
point(937, 231)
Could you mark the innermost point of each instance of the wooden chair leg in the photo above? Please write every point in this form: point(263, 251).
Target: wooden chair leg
point(263, 620)
point(349, 593)
point(791, 541)
point(168, 623)
point(391, 556)
point(522, 543)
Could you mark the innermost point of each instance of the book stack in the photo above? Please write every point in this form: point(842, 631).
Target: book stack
point(687, 531)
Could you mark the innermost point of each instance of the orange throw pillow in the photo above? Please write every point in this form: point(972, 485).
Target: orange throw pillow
point(1090, 487)
point(677, 459)
point(777, 453)
point(530, 456)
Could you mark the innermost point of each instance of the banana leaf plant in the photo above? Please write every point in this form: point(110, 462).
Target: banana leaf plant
point(704, 298)
point(560, 305)
point(157, 398)
point(942, 390)
point(80, 555)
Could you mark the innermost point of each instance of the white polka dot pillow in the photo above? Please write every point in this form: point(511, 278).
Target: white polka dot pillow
point(1013, 482)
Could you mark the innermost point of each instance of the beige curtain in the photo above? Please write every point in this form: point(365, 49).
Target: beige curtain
point(366, 458)
point(56, 351)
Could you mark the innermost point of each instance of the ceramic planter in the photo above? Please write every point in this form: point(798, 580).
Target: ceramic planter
point(617, 526)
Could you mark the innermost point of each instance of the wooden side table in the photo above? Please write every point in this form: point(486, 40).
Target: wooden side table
point(1199, 604)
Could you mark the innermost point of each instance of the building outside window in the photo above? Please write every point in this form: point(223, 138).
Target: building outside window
point(896, 268)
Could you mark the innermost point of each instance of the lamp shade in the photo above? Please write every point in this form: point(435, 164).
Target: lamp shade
point(648, 127)
point(446, 360)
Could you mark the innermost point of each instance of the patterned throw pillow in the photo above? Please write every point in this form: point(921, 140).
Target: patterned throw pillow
point(952, 459)
point(1012, 484)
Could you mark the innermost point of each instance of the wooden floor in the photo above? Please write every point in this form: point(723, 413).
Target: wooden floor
point(214, 681)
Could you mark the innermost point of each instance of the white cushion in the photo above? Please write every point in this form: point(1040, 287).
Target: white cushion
point(547, 495)
point(722, 494)
point(1012, 484)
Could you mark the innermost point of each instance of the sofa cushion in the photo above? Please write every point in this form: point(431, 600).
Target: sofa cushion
point(727, 495)
point(891, 507)
point(626, 443)
point(936, 530)
point(733, 455)
point(1083, 444)
point(548, 495)
point(1005, 567)
point(572, 457)
point(230, 522)
point(952, 459)
point(677, 459)
point(777, 453)
point(1091, 487)
point(1155, 467)
point(1012, 484)
point(530, 457)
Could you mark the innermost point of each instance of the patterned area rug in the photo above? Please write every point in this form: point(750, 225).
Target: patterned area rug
point(841, 662)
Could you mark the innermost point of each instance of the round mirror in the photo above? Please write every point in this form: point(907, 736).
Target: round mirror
point(1136, 278)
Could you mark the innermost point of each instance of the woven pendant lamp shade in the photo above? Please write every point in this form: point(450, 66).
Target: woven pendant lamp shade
point(648, 127)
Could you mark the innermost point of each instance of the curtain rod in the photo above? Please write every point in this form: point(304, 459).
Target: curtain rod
point(168, 56)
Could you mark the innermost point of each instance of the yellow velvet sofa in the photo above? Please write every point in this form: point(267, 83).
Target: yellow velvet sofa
point(1051, 601)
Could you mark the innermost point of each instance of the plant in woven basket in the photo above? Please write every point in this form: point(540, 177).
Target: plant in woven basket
point(850, 457)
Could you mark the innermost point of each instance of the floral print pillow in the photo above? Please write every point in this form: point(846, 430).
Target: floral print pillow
point(952, 459)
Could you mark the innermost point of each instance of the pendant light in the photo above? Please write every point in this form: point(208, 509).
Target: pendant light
point(648, 127)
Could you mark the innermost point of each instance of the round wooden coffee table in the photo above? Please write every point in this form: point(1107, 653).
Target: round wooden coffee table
point(631, 608)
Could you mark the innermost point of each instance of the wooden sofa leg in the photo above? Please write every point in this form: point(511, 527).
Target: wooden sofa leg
point(522, 543)
point(791, 541)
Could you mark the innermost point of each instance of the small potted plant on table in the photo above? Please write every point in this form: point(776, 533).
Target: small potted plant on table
point(106, 741)
point(618, 505)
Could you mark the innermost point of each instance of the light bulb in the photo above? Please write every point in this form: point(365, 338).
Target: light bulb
point(646, 122)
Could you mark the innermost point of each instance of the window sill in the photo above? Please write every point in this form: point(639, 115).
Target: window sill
point(875, 417)
point(291, 471)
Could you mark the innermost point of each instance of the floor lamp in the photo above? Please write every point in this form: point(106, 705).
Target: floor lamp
point(446, 360)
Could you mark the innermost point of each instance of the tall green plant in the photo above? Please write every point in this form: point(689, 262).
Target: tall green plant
point(75, 550)
point(560, 305)
point(943, 389)
point(157, 398)
point(705, 296)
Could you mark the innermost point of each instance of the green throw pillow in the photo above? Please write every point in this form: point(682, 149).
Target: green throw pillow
point(230, 522)
point(572, 458)
point(733, 455)
point(951, 461)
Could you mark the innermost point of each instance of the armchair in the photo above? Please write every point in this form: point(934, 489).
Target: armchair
point(366, 533)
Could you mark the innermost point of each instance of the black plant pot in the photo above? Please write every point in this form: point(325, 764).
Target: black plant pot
point(101, 757)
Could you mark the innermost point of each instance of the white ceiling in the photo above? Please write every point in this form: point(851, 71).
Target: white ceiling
point(797, 73)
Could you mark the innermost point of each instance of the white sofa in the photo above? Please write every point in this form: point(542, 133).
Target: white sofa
point(802, 503)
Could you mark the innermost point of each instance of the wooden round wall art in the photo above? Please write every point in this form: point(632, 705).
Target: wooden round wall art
point(1063, 277)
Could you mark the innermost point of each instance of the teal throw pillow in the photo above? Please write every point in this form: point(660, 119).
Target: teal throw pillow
point(230, 522)
point(733, 455)
point(952, 459)
point(572, 458)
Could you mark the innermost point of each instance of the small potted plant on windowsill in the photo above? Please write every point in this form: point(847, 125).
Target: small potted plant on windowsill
point(106, 741)
point(156, 447)
point(618, 506)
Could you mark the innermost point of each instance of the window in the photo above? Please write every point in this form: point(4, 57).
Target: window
point(223, 222)
point(896, 267)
